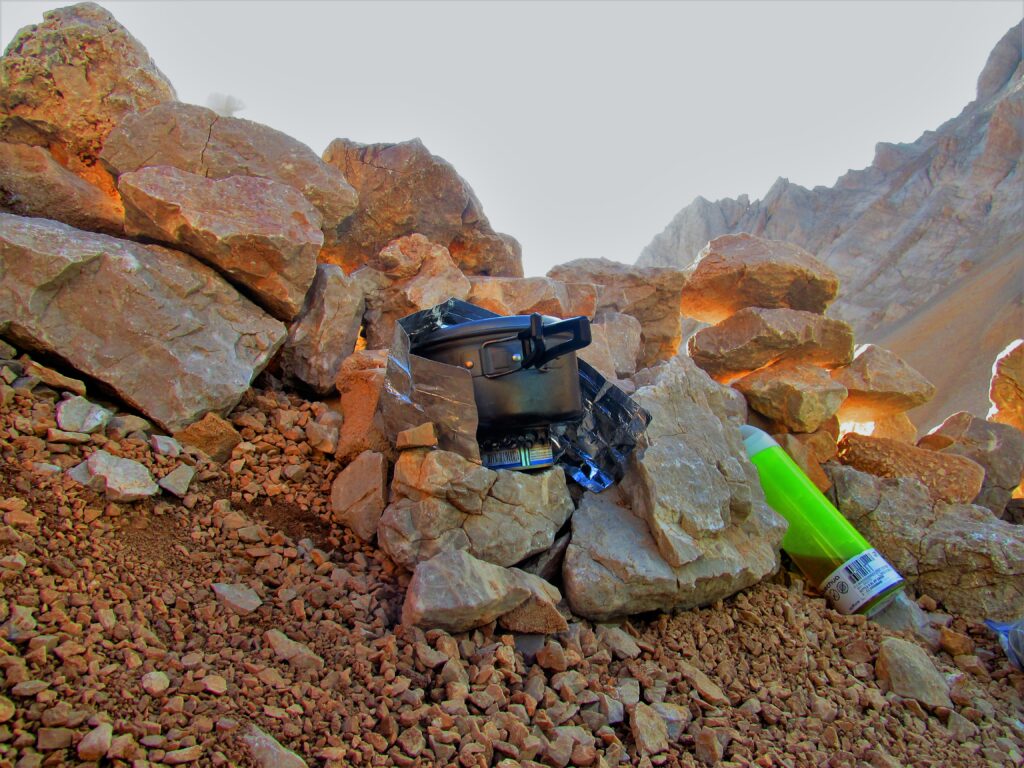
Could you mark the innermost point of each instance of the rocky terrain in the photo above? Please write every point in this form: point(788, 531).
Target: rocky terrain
point(930, 231)
point(242, 524)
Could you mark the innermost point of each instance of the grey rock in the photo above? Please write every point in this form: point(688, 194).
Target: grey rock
point(178, 480)
point(325, 331)
point(676, 717)
point(123, 425)
point(902, 614)
point(267, 752)
point(650, 733)
point(133, 316)
point(618, 641)
point(238, 597)
point(442, 501)
point(455, 591)
point(958, 553)
point(624, 334)
point(908, 671)
point(76, 414)
point(163, 445)
point(295, 653)
point(120, 479)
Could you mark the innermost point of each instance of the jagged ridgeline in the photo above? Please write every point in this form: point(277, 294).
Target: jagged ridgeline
point(927, 241)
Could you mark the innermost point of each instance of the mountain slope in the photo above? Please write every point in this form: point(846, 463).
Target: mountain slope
point(912, 238)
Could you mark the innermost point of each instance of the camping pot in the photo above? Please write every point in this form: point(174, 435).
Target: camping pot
point(523, 366)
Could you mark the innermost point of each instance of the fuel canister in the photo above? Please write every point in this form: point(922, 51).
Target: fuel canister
point(824, 545)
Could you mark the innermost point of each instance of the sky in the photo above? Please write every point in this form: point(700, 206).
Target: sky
point(583, 127)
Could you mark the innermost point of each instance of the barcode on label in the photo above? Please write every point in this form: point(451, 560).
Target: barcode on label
point(511, 457)
point(860, 567)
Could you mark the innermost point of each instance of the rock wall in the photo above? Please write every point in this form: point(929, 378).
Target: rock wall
point(929, 231)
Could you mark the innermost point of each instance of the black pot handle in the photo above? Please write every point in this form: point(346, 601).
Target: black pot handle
point(535, 349)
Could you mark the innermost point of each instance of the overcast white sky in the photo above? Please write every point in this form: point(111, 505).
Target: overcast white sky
point(583, 126)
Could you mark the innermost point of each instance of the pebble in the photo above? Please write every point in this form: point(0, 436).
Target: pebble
point(96, 742)
point(155, 683)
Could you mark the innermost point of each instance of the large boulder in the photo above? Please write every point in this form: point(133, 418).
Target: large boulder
point(998, 448)
point(754, 337)
point(441, 501)
point(699, 528)
point(948, 477)
point(801, 397)
point(65, 83)
point(957, 553)
point(403, 189)
point(1006, 389)
point(738, 271)
point(198, 140)
point(261, 234)
point(165, 332)
point(409, 274)
point(880, 384)
point(325, 331)
point(650, 294)
point(32, 183)
point(359, 382)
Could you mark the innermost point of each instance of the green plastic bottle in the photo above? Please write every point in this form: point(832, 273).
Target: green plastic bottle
point(824, 545)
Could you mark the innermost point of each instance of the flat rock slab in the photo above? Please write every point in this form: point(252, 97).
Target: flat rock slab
point(650, 294)
point(325, 331)
point(359, 494)
point(198, 140)
point(403, 190)
point(734, 272)
point(753, 338)
point(239, 598)
point(455, 591)
point(76, 414)
point(168, 334)
point(261, 234)
point(120, 479)
point(949, 477)
point(267, 752)
point(33, 183)
point(69, 80)
point(958, 553)
point(801, 397)
point(880, 384)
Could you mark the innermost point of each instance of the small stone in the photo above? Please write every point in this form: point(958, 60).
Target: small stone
point(649, 730)
point(618, 641)
point(96, 742)
point(955, 643)
point(177, 481)
point(165, 446)
point(182, 756)
point(76, 414)
point(212, 435)
point(120, 479)
point(215, 684)
point(708, 747)
point(295, 653)
point(552, 657)
point(908, 671)
point(6, 709)
point(423, 436)
point(267, 752)
point(155, 683)
point(238, 597)
point(49, 739)
point(708, 689)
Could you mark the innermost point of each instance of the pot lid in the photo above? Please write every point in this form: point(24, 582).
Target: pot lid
point(489, 326)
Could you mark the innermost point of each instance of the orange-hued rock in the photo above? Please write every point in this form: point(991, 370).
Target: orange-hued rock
point(880, 384)
point(821, 444)
point(65, 83)
point(198, 140)
point(896, 426)
point(651, 295)
point(403, 189)
point(261, 234)
point(33, 183)
point(359, 382)
point(948, 477)
point(525, 295)
point(738, 271)
point(213, 435)
point(753, 338)
point(409, 274)
point(802, 397)
point(538, 614)
point(805, 458)
point(1006, 389)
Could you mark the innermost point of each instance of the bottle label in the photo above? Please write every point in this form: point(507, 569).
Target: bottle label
point(857, 581)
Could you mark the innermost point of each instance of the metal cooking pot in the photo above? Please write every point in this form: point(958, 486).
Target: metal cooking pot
point(523, 366)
